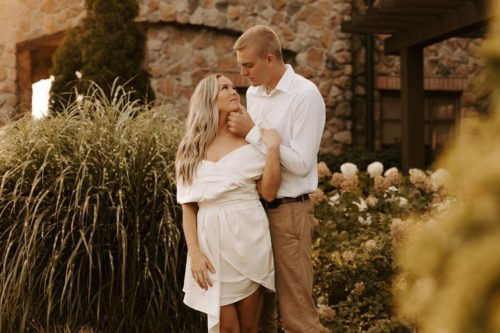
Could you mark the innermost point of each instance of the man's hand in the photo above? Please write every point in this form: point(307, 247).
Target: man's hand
point(239, 122)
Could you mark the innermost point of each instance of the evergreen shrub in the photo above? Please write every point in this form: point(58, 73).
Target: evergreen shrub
point(108, 47)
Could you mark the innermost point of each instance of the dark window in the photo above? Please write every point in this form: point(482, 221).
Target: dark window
point(441, 113)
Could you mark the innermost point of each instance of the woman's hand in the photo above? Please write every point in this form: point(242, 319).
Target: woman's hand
point(200, 266)
point(270, 137)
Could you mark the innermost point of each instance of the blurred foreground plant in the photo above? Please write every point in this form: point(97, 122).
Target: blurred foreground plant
point(88, 229)
point(451, 269)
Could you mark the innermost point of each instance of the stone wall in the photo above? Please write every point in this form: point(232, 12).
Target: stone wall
point(187, 39)
point(24, 20)
point(190, 38)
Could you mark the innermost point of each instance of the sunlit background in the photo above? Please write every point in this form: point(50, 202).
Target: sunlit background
point(40, 98)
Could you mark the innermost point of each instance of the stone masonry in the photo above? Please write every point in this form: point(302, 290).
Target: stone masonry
point(188, 39)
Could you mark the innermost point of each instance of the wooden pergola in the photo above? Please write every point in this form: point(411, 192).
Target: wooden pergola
point(412, 25)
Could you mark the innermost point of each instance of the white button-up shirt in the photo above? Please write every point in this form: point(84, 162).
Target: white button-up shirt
point(297, 110)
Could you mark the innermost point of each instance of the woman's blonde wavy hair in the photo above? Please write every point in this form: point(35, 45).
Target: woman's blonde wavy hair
point(201, 125)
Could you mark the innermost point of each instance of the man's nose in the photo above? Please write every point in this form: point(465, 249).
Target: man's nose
point(243, 71)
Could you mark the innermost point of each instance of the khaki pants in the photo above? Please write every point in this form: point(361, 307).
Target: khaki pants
point(291, 230)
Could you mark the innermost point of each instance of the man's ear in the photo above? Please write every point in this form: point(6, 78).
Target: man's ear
point(270, 58)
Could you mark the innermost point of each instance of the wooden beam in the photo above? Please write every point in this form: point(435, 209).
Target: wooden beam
point(53, 40)
point(373, 14)
point(360, 24)
point(423, 3)
point(412, 108)
point(24, 80)
point(349, 27)
point(454, 22)
point(423, 11)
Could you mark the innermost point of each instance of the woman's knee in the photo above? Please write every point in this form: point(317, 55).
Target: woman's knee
point(248, 326)
point(228, 328)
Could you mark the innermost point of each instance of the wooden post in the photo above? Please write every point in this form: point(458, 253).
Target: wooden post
point(24, 80)
point(412, 104)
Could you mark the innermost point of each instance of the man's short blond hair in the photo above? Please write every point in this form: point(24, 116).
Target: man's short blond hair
point(263, 38)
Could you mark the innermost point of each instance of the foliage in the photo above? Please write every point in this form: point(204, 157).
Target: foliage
point(109, 47)
point(451, 269)
point(67, 61)
point(89, 236)
point(389, 155)
point(362, 157)
point(360, 221)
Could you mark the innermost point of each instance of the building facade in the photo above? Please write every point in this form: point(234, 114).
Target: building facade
point(188, 39)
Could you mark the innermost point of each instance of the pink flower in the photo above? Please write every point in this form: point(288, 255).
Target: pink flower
point(323, 170)
point(317, 196)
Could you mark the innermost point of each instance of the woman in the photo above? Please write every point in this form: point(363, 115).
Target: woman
point(219, 179)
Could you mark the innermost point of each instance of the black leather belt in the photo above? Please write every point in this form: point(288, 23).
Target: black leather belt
point(281, 201)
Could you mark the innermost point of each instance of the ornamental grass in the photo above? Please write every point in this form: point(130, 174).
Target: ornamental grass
point(89, 234)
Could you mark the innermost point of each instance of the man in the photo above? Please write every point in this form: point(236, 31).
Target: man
point(279, 98)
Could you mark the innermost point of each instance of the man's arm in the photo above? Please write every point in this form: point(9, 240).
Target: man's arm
point(308, 122)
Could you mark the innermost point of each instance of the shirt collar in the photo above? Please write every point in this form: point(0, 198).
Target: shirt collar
point(283, 84)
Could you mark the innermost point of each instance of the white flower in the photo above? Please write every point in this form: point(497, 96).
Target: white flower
point(444, 205)
point(370, 245)
point(417, 176)
point(349, 169)
point(392, 189)
point(362, 206)
point(391, 171)
point(371, 201)
point(334, 198)
point(365, 221)
point(402, 201)
point(375, 169)
point(326, 312)
point(348, 255)
point(439, 178)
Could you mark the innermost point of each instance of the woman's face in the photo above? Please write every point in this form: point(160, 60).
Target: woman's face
point(228, 99)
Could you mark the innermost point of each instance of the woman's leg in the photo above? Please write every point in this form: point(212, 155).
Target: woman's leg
point(249, 312)
point(229, 319)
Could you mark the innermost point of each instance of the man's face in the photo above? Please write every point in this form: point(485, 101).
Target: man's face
point(255, 68)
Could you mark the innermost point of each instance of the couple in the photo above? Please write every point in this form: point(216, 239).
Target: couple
point(226, 160)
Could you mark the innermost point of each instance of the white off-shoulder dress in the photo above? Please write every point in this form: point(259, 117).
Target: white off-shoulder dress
point(233, 232)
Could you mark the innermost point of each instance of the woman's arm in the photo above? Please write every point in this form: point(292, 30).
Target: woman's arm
point(270, 182)
point(200, 265)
